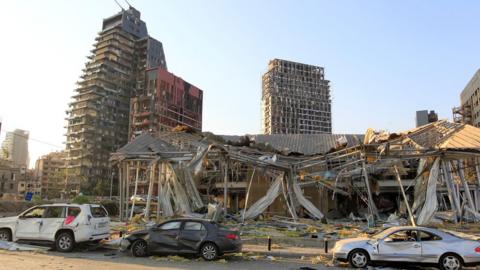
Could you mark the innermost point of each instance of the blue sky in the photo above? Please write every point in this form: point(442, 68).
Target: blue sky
point(385, 59)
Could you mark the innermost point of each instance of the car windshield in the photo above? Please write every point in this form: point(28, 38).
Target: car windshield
point(384, 233)
point(463, 235)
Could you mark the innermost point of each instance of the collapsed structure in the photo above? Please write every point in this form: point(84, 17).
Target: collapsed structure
point(431, 171)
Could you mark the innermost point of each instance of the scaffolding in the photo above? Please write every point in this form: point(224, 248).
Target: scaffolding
point(98, 116)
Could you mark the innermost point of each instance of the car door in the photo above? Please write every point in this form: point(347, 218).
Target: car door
point(52, 221)
point(192, 235)
point(432, 246)
point(401, 245)
point(28, 223)
point(99, 220)
point(164, 238)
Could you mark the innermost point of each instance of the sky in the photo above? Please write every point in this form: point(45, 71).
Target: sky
point(384, 59)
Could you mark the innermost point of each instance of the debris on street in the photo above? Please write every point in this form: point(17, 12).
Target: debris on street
point(11, 246)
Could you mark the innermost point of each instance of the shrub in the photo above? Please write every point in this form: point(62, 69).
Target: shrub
point(111, 206)
point(81, 199)
point(37, 199)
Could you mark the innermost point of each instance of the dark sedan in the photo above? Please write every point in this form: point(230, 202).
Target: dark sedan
point(184, 236)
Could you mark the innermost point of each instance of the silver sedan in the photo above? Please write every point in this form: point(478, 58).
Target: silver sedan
point(447, 249)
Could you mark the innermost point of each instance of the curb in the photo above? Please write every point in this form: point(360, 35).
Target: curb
point(291, 255)
point(288, 241)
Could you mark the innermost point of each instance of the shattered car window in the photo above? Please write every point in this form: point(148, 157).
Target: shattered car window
point(384, 233)
point(73, 211)
point(404, 236)
point(193, 226)
point(55, 212)
point(35, 213)
point(425, 236)
point(175, 225)
point(98, 212)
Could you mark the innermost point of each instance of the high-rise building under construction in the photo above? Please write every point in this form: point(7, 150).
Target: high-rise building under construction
point(98, 116)
point(295, 99)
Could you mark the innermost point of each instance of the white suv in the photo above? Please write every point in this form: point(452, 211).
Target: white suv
point(65, 224)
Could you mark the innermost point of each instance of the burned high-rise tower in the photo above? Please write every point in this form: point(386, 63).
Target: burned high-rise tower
point(295, 99)
point(98, 116)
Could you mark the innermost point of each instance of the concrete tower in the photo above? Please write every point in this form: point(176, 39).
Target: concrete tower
point(98, 116)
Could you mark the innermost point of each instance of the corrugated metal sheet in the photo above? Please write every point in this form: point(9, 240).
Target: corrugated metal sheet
point(307, 144)
point(465, 137)
point(444, 135)
point(146, 143)
point(430, 135)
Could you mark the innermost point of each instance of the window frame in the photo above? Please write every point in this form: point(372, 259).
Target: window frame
point(202, 227)
point(47, 211)
point(172, 229)
point(73, 207)
point(439, 238)
point(402, 231)
point(31, 210)
point(102, 209)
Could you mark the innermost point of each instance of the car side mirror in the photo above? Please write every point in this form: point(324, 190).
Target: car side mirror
point(388, 240)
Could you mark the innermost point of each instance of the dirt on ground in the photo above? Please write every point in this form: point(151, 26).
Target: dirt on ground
point(111, 260)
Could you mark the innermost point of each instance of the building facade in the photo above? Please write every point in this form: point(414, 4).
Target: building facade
point(469, 110)
point(16, 181)
point(50, 170)
point(425, 117)
point(9, 179)
point(166, 102)
point(295, 99)
point(15, 148)
point(98, 116)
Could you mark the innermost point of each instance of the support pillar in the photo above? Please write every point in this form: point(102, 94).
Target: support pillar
point(371, 203)
point(412, 220)
point(136, 187)
point(151, 180)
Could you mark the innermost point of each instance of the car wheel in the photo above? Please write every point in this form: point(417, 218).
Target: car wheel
point(139, 248)
point(358, 258)
point(5, 235)
point(64, 242)
point(450, 262)
point(209, 251)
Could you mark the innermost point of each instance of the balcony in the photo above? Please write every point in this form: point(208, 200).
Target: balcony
point(142, 123)
point(142, 114)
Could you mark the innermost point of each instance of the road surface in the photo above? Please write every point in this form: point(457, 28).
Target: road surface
point(114, 260)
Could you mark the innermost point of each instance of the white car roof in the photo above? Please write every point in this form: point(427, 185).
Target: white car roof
point(69, 204)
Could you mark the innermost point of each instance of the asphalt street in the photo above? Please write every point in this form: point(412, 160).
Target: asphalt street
point(114, 260)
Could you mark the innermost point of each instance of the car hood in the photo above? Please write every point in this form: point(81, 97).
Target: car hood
point(8, 219)
point(137, 234)
point(354, 241)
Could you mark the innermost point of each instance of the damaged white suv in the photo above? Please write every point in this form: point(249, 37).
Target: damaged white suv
point(63, 224)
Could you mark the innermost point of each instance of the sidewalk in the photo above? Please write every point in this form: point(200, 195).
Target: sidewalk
point(285, 252)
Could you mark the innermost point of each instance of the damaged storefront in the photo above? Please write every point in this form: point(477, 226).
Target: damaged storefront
point(426, 175)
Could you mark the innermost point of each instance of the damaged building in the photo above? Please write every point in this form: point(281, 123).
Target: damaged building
point(51, 171)
point(424, 174)
point(295, 99)
point(469, 110)
point(165, 102)
point(98, 116)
